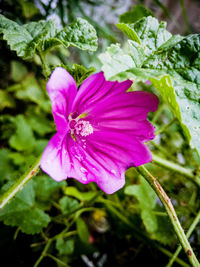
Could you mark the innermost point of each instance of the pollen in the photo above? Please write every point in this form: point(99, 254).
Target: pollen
point(83, 128)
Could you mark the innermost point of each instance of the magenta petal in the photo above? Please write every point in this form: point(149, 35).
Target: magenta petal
point(126, 113)
point(92, 165)
point(106, 158)
point(109, 183)
point(62, 90)
point(111, 149)
point(95, 89)
point(52, 161)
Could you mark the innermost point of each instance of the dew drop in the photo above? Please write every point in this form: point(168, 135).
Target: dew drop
point(79, 157)
point(83, 170)
point(113, 171)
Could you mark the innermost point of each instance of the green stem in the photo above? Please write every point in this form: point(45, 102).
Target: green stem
point(46, 70)
point(163, 151)
point(165, 127)
point(171, 213)
point(63, 234)
point(44, 253)
point(58, 261)
point(20, 183)
point(157, 113)
point(188, 173)
point(169, 254)
point(191, 229)
point(185, 15)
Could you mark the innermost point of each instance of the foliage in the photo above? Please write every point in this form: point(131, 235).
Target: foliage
point(42, 35)
point(137, 13)
point(68, 218)
point(147, 199)
point(171, 63)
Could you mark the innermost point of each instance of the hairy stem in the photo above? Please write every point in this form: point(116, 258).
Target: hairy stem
point(188, 234)
point(46, 70)
point(188, 173)
point(20, 183)
point(171, 214)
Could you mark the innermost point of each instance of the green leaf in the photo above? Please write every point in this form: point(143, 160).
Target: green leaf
point(115, 61)
point(18, 71)
point(164, 233)
point(79, 34)
point(6, 100)
point(147, 200)
point(82, 230)
point(79, 73)
point(24, 39)
point(22, 212)
point(147, 32)
point(137, 12)
point(29, 9)
point(29, 89)
point(7, 126)
point(68, 204)
point(18, 158)
point(38, 121)
point(23, 200)
point(42, 35)
point(45, 186)
point(6, 167)
point(40, 145)
point(172, 64)
point(33, 221)
point(82, 196)
point(23, 139)
point(64, 247)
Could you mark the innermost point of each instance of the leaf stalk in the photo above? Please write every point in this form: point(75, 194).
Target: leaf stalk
point(171, 214)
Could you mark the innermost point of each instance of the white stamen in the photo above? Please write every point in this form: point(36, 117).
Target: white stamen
point(84, 128)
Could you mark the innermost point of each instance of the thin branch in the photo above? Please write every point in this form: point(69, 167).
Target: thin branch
point(171, 214)
point(44, 253)
point(191, 229)
point(165, 127)
point(20, 183)
point(188, 173)
point(58, 261)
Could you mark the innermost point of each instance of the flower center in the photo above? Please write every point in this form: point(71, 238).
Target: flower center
point(79, 127)
point(83, 128)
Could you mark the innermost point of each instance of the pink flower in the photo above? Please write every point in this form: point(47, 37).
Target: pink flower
point(101, 130)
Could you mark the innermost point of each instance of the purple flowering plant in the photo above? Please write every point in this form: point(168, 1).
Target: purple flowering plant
point(101, 130)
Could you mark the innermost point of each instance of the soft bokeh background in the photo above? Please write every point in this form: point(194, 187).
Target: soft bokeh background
point(99, 230)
